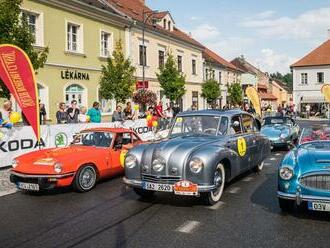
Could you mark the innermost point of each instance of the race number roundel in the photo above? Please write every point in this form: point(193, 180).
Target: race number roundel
point(122, 157)
point(241, 146)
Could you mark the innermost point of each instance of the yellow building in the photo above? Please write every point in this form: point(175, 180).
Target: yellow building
point(80, 36)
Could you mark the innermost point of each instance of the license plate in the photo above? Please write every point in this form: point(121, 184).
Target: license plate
point(157, 187)
point(28, 186)
point(319, 206)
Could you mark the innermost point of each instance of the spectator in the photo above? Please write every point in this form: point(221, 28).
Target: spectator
point(7, 109)
point(159, 110)
point(73, 112)
point(94, 113)
point(61, 114)
point(128, 111)
point(82, 117)
point(118, 114)
point(308, 111)
point(176, 110)
point(42, 113)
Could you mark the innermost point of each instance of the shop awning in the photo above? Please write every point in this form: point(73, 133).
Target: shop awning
point(312, 99)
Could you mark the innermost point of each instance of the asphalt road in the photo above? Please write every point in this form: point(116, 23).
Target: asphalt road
point(113, 216)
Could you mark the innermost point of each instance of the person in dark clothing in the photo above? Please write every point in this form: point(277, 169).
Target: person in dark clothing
point(73, 112)
point(61, 114)
point(42, 113)
point(176, 110)
point(118, 115)
point(128, 111)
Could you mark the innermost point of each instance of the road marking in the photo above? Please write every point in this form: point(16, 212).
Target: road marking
point(267, 164)
point(248, 179)
point(278, 154)
point(8, 192)
point(234, 190)
point(188, 226)
point(272, 159)
point(216, 206)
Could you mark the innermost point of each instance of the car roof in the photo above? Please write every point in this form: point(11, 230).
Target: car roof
point(214, 112)
point(108, 130)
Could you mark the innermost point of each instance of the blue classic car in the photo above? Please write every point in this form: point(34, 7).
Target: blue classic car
point(304, 173)
point(281, 131)
point(204, 150)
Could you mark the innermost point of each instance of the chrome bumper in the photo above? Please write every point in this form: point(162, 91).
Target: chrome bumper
point(298, 197)
point(42, 176)
point(138, 184)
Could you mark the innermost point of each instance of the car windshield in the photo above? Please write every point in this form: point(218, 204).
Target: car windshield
point(315, 137)
point(277, 120)
point(97, 139)
point(202, 124)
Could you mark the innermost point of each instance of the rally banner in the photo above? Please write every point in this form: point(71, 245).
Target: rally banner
point(17, 72)
point(252, 94)
point(20, 140)
point(326, 92)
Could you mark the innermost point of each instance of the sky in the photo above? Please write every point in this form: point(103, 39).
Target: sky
point(271, 34)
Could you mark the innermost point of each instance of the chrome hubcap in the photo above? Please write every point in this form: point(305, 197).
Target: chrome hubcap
point(87, 178)
point(217, 182)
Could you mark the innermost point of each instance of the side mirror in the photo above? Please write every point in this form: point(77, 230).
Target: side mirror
point(235, 124)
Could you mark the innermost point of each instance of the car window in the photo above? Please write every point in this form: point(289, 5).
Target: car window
point(223, 128)
point(248, 124)
point(97, 139)
point(127, 139)
point(236, 127)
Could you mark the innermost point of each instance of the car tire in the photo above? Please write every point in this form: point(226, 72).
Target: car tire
point(145, 194)
point(85, 179)
point(259, 167)
point(286, 205)
point(219, 178)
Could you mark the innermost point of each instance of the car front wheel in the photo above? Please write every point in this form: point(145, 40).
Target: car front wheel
point(211, 198)
point(85, 179)
point(286, 205)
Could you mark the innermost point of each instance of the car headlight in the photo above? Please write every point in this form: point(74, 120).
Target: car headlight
point(196, 165)
point(286, 173)
point(58, 167)
point(283, 135)
point(130, 161)
point(158, 164)
point(14, 163)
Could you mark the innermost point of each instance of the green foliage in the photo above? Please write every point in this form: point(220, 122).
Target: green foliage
point(236, 93)
point(171, 80)
point(14, 30)
point(117, 80)
point(211, 90)
point(287, 79)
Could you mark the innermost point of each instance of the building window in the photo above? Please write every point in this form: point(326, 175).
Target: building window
point(31, 20)
point(169, 25)
point(195, 99)
point(320, 77)
point(220, 77)
point(304, 78)
point(143, 55)
point(206, 74)
point(75, 92)
point(72, 37)
point(161, 59)
point(164, 23)
point(179, 63)
point(194, 67)
point(105, 44)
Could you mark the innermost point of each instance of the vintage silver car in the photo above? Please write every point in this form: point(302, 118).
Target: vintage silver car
point(204, 150)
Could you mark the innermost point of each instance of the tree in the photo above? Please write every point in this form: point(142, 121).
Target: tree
point(117, 77)
point(236, 93)
point(171, 80)
point(211, 91)
point(15, 30)
point(287, 79)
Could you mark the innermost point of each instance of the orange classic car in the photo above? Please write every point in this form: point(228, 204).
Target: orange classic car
point(94, 154)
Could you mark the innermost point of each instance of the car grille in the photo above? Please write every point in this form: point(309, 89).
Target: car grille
point(160, 179)
point(320, 182)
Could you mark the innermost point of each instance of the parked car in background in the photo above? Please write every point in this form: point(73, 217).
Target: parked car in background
point(282, 131)
point(94, 154)
point(304, 173)
point(204, 150)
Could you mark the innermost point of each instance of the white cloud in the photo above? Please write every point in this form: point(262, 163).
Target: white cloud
point(206, 32)
point(271, 61)
point(265, 14)
point(195, 18)
point(307, 25)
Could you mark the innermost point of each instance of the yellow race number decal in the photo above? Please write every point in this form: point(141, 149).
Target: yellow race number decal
point(122, 157)
point(241, 146)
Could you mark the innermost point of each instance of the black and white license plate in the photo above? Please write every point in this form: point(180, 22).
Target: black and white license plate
point(28, 186)
point(157, 187)
point(319, 206)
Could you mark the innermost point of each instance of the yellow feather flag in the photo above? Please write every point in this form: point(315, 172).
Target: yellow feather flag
point(326, 92)
point(253, 96)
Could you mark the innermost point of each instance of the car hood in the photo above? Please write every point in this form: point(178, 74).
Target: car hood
point(273, 131)
point(175, 150)
point(310, 160)
point(42, 161)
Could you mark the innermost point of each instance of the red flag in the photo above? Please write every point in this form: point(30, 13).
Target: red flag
point(17, 72)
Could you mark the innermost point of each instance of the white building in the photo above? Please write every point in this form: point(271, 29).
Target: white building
point(309, 75)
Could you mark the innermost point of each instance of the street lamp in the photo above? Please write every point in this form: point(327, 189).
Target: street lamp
point(146, 16)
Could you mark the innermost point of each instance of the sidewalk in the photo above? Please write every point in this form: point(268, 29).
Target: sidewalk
point(312, 119)
point(6, 187)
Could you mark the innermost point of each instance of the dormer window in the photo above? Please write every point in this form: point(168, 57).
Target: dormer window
point(169, 25)
point(164, 23)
